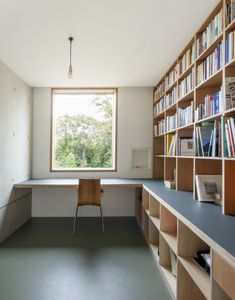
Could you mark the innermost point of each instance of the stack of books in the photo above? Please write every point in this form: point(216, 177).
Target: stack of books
point(230, 47)
point(186, 61)
point(212, 105)
point(208, 139)
point(171, 98)
point(212, 31)
point(210, 65)
point(229, 92)
point(186, 85)
point(185, 115)
point(171, 77)
point(171, 122)
point(229, 137)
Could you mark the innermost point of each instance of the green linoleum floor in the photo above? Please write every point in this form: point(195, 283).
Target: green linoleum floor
point(42, 261)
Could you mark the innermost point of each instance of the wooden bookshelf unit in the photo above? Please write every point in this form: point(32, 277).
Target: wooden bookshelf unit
point(193, 95)
point(194, 134)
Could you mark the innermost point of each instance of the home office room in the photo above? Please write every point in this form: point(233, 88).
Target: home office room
point(117, 149)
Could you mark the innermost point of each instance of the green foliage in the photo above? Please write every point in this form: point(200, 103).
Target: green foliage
point(83, 141)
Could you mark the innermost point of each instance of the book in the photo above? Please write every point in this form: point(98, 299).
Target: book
point(229, 93)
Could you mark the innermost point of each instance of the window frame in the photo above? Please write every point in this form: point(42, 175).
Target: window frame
point(115, 132)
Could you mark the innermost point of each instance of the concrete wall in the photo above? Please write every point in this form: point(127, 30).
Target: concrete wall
point(15, 150)
point(134, 127)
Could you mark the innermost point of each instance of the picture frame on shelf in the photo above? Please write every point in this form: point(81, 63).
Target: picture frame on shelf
point(209, 188)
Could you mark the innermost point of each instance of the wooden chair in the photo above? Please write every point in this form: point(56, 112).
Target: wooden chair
point(89, 193)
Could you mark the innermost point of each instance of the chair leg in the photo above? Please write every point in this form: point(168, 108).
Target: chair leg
point(75, 220)
point(102, 220)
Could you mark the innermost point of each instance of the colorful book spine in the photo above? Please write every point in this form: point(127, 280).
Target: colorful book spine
point(171, 98)
point(171, 77)
point(160, 127)
point(230, 47)
point(229, 137)
point(213, 104)
point(185, 115)
point(186, 85)
point(159, 107)
point(159, 91)
point(187, 60)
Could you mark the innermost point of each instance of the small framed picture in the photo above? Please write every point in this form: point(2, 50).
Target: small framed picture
point(209, 188)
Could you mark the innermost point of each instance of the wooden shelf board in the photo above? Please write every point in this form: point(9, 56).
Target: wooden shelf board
point(229, 158)
point(187, 157)
point(147, 211)
point(229, 111)
point(187, 97)
point(208, 157)
point(210, 49)
point(158, 155)
point(230, 26)
point(170, 278)
point(170, 88)
point(198, 275)
point(211, 118)
point(188, 126)
point(171, 107)
point(156, 222)
point(230, 64)
point(214, 79)
point(154, 249)
point(170, 131)
point(171, 239)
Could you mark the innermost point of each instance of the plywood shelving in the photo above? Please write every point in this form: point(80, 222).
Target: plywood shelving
point(195, 91)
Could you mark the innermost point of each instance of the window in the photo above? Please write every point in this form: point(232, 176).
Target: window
point(83, 130)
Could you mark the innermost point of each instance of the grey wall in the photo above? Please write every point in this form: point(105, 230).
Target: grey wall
point(15, 150)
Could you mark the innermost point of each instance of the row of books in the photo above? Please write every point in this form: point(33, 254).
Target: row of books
point(171, 98)
point(160, 128)
point(185, 115)
point(212, 31)
point(171, 144)
point(171, 77)
point(171, 122)
point(213, 104)
point(159, 107)
point(229, 137)
point(208, 139)
point(230, 11)
point(160, 90)
point(230, 47)
point(210, 65)
point(186, 85)
point(187, 59)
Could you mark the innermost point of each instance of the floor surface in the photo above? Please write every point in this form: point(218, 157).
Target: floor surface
point(43, 261)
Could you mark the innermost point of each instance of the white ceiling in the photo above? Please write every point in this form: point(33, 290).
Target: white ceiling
point(117, 43)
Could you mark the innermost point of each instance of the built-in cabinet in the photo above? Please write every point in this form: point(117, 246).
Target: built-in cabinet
point(174, 242)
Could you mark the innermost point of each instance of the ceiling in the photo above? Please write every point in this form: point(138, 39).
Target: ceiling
point(117, 43)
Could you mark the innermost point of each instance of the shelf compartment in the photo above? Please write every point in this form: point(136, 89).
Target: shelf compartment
point(213, 80)
point(145, 199)
point(188, 245)
point(223, 275)
point(158, 167)
point(158, 145)
point(185, 166)
point(165, 264)
point(170, 167)
point(138, 205)
point(154, 208)
point(145, 224)
point(168, 228)
point(187, 288)
point(154, 239)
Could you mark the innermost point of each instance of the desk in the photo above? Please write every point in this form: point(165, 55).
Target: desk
point(206, 217)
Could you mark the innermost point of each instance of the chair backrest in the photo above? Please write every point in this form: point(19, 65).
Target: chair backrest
point(89, 192)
